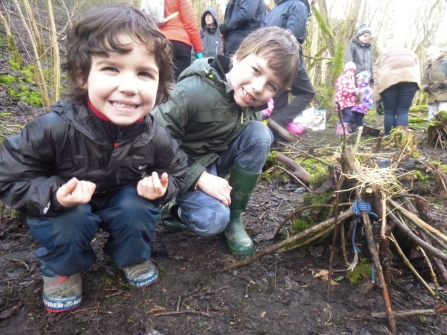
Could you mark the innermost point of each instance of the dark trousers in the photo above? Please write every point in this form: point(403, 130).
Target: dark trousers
point(66, 239)
point(357, 118)
point(283, 113)
point(397, 100)
point(182, 57)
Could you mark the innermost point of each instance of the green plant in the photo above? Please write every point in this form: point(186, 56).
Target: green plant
point(361, 272)
point(7, 79)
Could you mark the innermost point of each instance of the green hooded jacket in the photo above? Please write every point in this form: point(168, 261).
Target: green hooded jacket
point(202, 114)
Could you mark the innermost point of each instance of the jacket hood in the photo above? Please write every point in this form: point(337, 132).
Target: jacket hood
point(363, 79)
point(213, 12)
point(305, 2)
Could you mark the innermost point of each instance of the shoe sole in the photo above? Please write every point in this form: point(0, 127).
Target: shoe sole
point(59, 306)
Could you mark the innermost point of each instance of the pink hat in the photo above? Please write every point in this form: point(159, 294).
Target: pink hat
point(350, 66)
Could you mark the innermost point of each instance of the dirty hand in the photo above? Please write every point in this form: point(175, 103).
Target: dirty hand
point(379, 107)
point(75, 192)
point(215, 187)
point(152, 187)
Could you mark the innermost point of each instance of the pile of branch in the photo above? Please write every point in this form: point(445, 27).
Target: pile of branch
point(437, 131)
point(380, 188)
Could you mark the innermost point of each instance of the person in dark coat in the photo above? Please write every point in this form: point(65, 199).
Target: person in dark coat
point(210, 35)
point(241, 18)
point(98, 160)
point(292, 15)
point(359, 51)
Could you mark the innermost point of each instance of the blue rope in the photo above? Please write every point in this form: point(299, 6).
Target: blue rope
point(362, 206)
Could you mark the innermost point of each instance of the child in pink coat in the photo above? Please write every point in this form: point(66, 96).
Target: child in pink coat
point(345, 96)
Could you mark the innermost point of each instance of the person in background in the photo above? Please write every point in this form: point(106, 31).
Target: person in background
point(215, 113)
point(98, 160)
point(292, 15)
point(359, 51)
point(241, 18)
point(364, 101)
point(345, 97)
point(210, 35)
point(435, 81)
point(397, 80)
point(182, 31)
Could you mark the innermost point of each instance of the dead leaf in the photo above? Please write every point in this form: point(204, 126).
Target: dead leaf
point(156, 309)
point(323, 274)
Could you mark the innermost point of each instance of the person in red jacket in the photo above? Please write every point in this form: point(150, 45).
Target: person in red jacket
point(183, 32)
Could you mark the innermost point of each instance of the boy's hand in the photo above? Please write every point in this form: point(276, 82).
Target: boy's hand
point(215, 187)
point(153, 187)
point(75, 192)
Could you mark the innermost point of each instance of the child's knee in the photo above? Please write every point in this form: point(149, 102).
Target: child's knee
point(207, 221)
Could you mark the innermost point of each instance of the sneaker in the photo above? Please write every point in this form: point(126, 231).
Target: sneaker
point(141, 275)
point(62, 293)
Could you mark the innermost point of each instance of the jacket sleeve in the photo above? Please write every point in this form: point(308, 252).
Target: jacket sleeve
point(376, 88)
point(246, 12)
point(170, 159)
point(349, 57)
point(189, 20)
point(26, 180)
point(297, 20)
point(173, 116)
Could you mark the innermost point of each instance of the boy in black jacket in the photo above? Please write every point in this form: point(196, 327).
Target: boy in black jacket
point(98, 160)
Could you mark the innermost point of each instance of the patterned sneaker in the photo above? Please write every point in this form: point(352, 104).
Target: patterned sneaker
point(62, 293)
point(141, 275)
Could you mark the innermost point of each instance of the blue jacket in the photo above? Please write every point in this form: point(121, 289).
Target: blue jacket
point(292, 15)
point(241, 17)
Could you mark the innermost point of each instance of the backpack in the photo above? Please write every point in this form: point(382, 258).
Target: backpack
point(443, 68)
point(155, 9)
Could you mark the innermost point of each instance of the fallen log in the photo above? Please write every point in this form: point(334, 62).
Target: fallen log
point(298, 170)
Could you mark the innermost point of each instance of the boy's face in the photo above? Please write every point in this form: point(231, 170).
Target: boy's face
point(123, 87)
point(209, 20)
point(253, 81)
point(364, 38)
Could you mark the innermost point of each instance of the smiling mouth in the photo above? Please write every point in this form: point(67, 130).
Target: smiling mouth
point(248, 95)
point(123, 105)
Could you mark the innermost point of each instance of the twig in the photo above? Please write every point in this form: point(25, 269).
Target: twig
point(296, 178)
point(182, 312)
point(431, 250)
point(403, 314)
point(411, 267)
point(433, 276)
point(21, 262)
point(417, 220)
point(310, 240)
point(296, 237)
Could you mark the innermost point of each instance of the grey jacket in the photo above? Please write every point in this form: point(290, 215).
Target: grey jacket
point(211, 39)
point(360, 54)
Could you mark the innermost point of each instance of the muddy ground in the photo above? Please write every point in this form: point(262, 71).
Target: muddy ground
point(276, 295)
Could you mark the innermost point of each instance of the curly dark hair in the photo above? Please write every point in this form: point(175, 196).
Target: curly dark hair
point(98, 34)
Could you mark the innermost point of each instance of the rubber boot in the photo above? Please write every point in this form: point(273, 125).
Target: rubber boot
point(243, 184)
point(170, 217)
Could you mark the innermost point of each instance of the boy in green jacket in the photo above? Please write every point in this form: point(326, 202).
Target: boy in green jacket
point(214, 114)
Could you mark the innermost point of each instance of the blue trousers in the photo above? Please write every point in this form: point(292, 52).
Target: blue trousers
point(207, 216)
point(65, 239)
point(397, 100)
point(357, 118)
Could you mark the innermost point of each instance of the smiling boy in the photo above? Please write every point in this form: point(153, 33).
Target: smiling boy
point(214, 114)
point(98, 160)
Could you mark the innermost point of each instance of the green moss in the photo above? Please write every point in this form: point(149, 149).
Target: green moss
point(5, 114)
point(317, 170)
point(419, 108)
point(419, 175)
point(24, 93)
point(360, 273)
point(14, 64)
point(338, 63)
point(311, 216)
point(324, 97)
point(322, 23)
point(7, 79)
point(416, 120)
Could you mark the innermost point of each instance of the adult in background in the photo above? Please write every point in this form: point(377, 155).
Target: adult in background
point(182, 31)
point(397, 80)
point(359, 51)
point(241, 18)
point(210, 34)
point(292, 15)
point(435, 81)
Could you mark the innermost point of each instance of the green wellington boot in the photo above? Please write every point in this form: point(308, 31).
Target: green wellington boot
point(170, 217)
point(243, 184)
